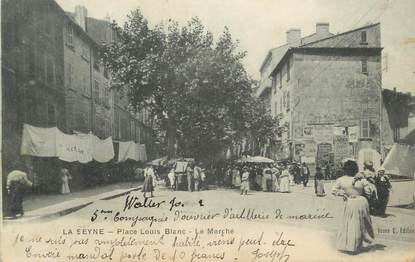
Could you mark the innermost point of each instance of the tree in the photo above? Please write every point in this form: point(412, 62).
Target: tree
point(197, 89)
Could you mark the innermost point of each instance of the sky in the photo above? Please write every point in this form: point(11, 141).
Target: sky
point(260, 25)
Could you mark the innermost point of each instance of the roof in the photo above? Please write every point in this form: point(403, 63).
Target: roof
point(409, 139)
point(308, 47)
point(71, 17)
point(96, 29)
point(325, 50)
point(304, 41)
point(344, 33)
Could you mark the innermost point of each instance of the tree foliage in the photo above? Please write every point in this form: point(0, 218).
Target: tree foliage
point(196, 88)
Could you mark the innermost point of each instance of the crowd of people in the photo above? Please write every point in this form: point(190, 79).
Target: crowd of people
point(268, 177)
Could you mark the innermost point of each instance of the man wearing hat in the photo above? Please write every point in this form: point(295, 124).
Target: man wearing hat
point(383, 187)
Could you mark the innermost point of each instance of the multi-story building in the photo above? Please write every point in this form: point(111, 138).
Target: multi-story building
point(103, 111)
point(53, 76)
point(88, 99)
point(32, 71)
point(265, 91)
point(326, 92)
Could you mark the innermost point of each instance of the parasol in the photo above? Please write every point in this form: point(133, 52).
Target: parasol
point(256, 159)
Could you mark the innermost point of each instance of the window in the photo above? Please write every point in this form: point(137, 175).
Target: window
point(280, 79)
point(284, 99)
point(71, 115)
point(364, 37)
point(364, 67)
point(274, 84)
point(116, 124)
point(84, 52)
point(28, 66)
point(132, 129)
point(96, 60)
point(137, 131)
point(288, 70)
point(69, 73)
point(52, 115)
point(31, 107)
point(69, 35)
point(101, 94)
point(49, 70)
point(288, 101)
point(107, 96)
point(396, 134)
point(96, 91)
point(125, 129)
point(365, 128)
point(86, 86)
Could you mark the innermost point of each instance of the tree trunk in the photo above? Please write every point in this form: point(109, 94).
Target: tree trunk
point(171, 138)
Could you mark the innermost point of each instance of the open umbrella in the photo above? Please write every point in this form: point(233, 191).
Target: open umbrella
point(159, 161)
point(256, 159)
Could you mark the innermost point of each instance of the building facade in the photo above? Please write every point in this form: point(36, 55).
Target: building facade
point(327, 93)
point(52, 75)
point(32, 71)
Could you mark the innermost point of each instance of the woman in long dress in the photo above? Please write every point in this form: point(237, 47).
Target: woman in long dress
point(318, 183)
point(355, 230)
point(285, 180)
point(65, 176)
point(245, 181)
point(237, 177)
point(171, 177)
point(148, 185)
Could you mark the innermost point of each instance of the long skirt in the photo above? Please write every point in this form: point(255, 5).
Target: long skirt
point(258, 182)
point(237, 180)
point(148, 184)
point(355, 225)
point(65, 186)
point(285, 184)
point(320, 188)
point(264, 183)
point(276, 184)
point(245, 186)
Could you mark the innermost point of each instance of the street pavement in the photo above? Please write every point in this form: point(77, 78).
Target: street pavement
point(47, 207)
point(308, 234)
point(300, 201)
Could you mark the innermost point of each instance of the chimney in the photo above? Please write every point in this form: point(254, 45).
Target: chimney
point(294, 37)
point(323, 29)
point(81, 14)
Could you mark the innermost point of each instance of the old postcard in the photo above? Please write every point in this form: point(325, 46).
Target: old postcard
point(192, 131)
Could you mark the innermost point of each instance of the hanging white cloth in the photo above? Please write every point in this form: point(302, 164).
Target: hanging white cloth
point(71, 148)
point(102, 150)
point(37, 141)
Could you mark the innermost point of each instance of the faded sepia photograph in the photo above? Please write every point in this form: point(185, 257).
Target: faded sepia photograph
point(216, 130)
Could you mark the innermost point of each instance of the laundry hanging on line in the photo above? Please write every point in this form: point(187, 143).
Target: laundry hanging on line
point(51, 142)
point(131, 150)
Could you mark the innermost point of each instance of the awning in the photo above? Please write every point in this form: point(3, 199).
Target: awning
point(400, 161)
